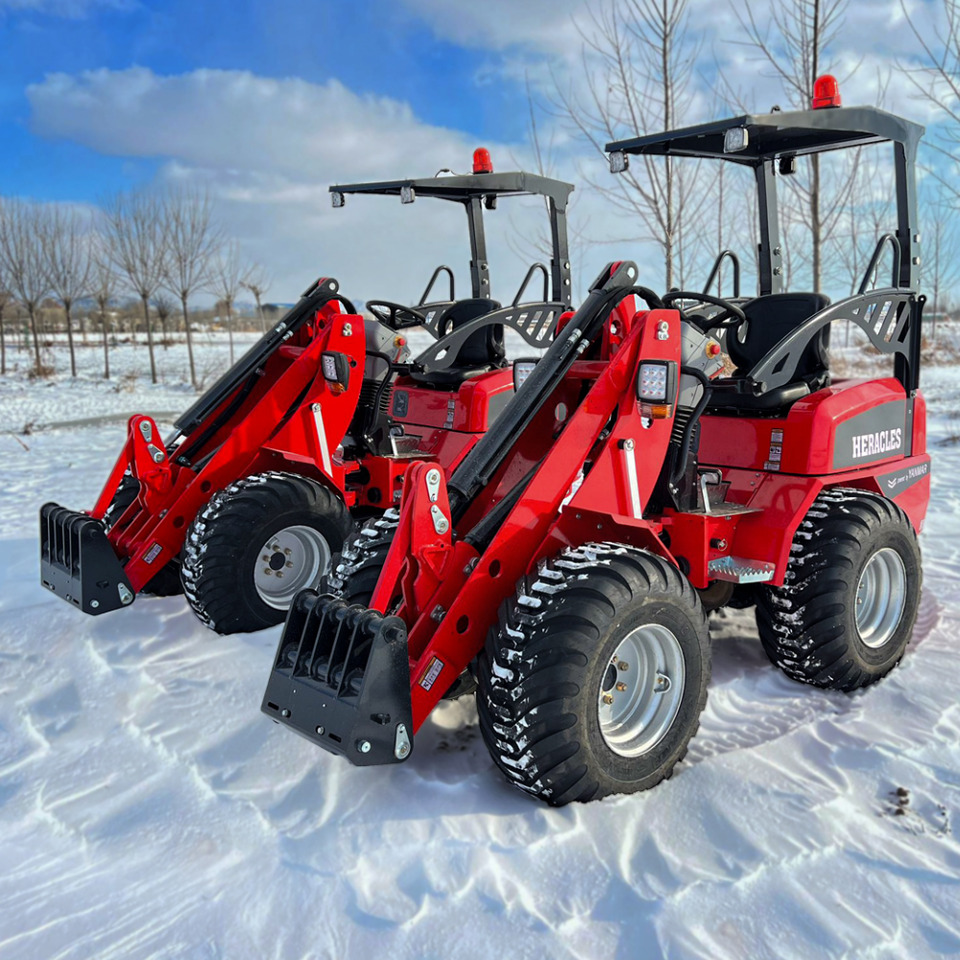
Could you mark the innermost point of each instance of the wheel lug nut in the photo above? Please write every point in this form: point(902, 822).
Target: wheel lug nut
point(288, 564)
point(623, 665)
point(267, 572)
point(608, 698)
point(265, 558)
point(287, 551)
point(621, 687)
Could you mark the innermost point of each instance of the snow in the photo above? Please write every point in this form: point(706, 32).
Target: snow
point(148, 809)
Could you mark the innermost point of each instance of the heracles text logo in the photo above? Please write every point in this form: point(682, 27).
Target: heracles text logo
point(876, 444)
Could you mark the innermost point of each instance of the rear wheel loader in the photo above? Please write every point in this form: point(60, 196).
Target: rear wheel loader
point(568, 560)
point(259, 486)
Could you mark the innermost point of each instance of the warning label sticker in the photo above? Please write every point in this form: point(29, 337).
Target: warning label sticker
point(431, 673)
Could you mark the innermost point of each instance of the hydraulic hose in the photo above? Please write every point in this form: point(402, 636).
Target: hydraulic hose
point(681, 460)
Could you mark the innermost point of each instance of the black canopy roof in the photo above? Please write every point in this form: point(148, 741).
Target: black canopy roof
point(465, 187)
point(778, 134)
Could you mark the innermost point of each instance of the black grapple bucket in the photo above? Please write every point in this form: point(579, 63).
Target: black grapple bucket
point(341, 678)
point(77, 561)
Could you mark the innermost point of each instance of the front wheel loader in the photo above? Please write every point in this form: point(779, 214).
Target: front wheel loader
point(635, 479)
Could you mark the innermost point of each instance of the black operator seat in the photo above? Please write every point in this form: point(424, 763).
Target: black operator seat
point(769, 320)
point(481, 352)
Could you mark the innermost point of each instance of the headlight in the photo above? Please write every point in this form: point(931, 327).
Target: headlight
point(619, 161)
point(521, 370)
point(653, 382)
point(736, 139)
point(336, 369)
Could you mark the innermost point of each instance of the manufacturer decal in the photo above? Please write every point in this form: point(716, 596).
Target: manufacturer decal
point(431, 673)
point(877, 434)
point(894, 483)
point(872, 444)
point(152, 553)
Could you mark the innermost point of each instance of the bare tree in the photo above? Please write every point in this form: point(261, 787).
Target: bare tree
point(103, 287)
point(135, 228)
point(639, 63)
point(66, 250)
point(257, 281)
point(938, 82)
point(164, 307)
point(941, 268)
point(228, 271)
point(192, 242)
point(795, 43)
point(22, 225)
point(6, 298)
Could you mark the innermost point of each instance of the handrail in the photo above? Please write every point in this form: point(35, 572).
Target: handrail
point(887, 316)
point(433, 279)
point(523, 286)
point(875, 259)
point(735, 260)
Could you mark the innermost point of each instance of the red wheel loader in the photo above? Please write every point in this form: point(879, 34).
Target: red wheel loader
point(260, 484)
point(568, 560)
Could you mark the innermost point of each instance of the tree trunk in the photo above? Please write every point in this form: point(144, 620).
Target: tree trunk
point(230, 328)
point(3, 345)
point(146, 320)
point(263, 323)
point(186, 327)
point(106, 344)
point(73, 352)
point(32, 313)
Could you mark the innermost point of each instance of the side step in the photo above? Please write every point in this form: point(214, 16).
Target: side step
point(341, 678)
point(77, 561)
point(739, 570)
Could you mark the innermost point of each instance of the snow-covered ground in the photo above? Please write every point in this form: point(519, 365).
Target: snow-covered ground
point(148, 810)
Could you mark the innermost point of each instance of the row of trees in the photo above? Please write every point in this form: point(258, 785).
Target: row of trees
point(142, 243)
point(643, 64)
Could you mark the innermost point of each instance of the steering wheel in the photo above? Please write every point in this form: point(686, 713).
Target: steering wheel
point(395, 315)
point(730, 316)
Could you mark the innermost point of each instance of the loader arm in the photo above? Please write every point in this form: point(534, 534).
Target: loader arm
point(278, 387)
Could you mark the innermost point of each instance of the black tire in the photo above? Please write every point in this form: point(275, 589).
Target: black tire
point(222, 552)
point(543, 669)
point(166, 583)
point(809, 627)
point(354, 573)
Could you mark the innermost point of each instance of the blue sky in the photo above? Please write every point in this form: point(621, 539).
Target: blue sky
point(265, 104)
point(372, 47)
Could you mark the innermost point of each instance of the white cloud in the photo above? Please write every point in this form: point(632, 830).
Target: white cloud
point(233, 119)
point(545, 25)
point(268, 149)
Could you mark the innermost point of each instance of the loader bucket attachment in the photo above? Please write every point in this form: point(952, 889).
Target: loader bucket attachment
point(77, 561)
point(341, 678)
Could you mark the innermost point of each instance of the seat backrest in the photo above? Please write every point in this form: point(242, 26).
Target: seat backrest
point(769, 320)
point(485, 347)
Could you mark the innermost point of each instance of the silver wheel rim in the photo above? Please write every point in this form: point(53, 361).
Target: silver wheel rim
point(291, 560)
point(881, 595)
point(641, 690)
